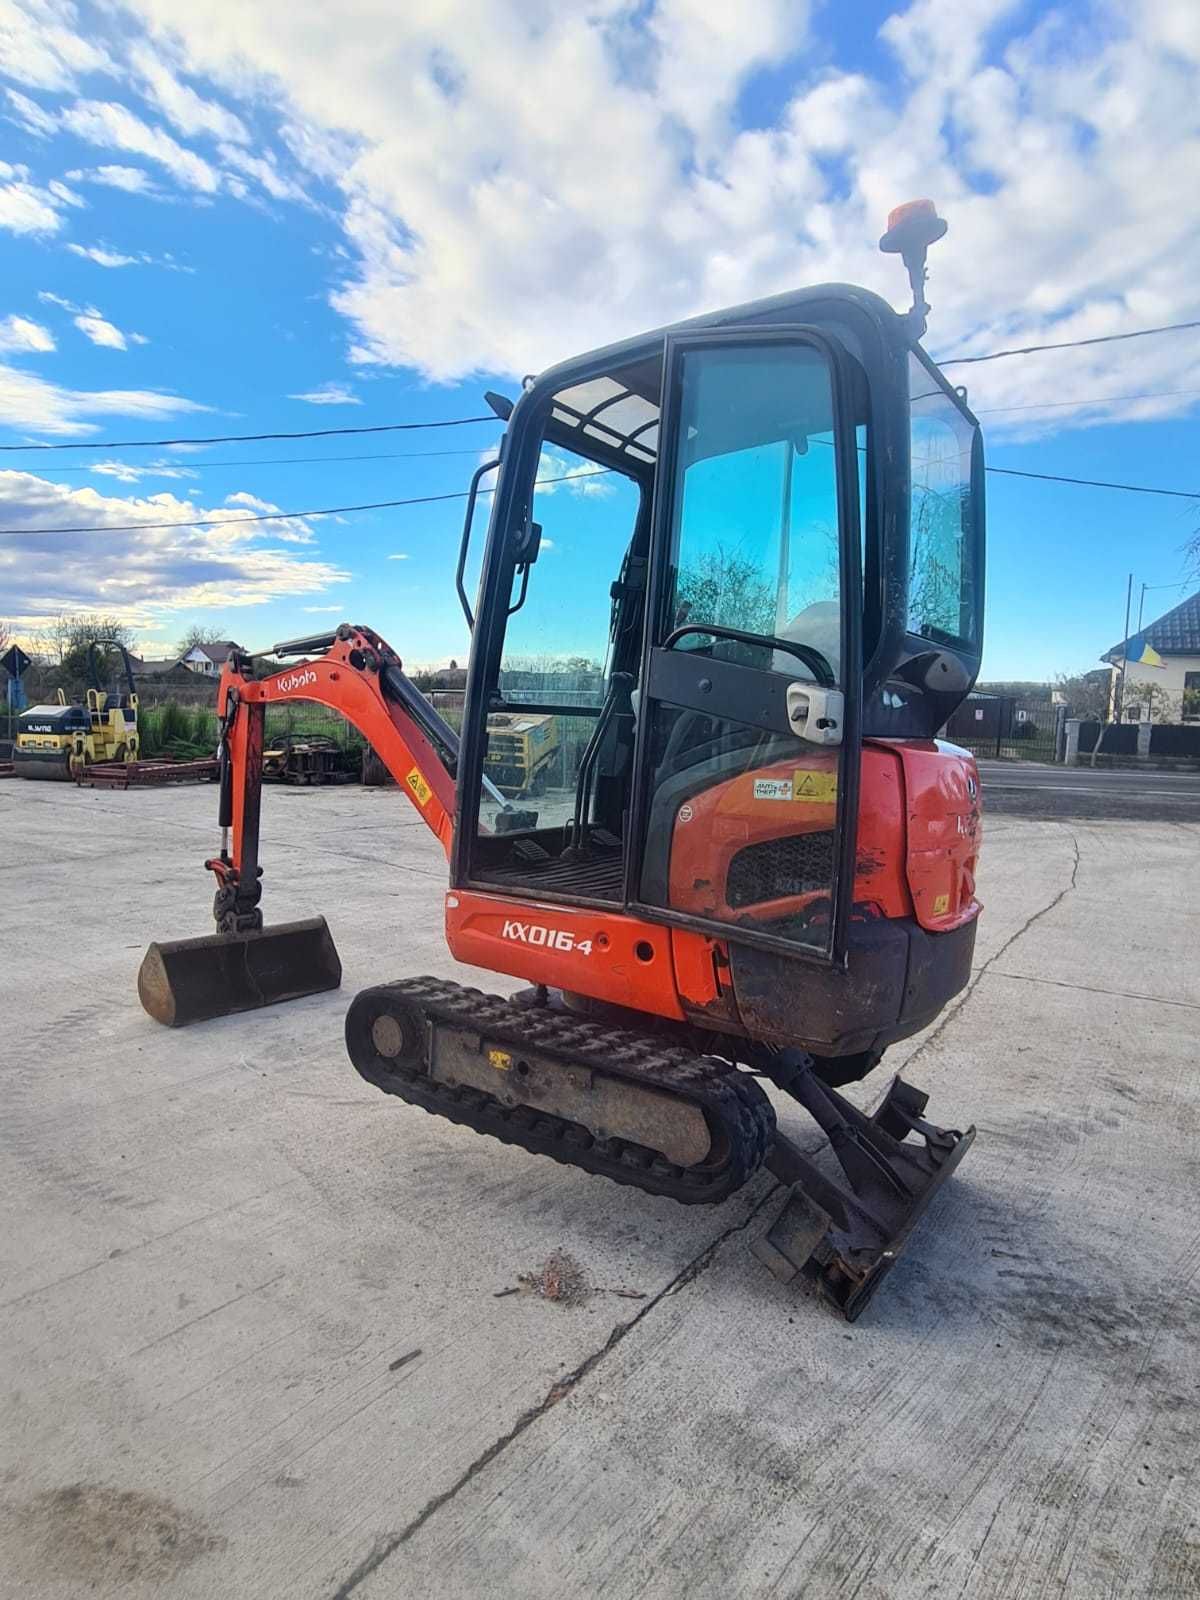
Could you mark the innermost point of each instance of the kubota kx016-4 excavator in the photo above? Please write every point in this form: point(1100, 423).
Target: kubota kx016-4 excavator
point(751, 859)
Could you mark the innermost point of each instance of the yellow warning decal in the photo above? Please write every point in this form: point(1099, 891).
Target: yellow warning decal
point(819, 788)
point(941, 904)
point(500, 1059)
point(419, 787)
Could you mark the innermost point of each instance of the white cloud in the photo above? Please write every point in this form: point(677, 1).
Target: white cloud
point(329, 394)
point(20, 333)
point(555, 472)
point(144, 575)
point(103, 257)
point(181, 105)
point(555, 177)
point(400, 556)
point(35, 405)
point(26, 208)
point(322, 608)
point(110, 124)
point(105, 123)
point(102, 332)
point(43, 46)
point(126, 472)
point(61, 192)
point(134, 180)
point(293, 530)
point(29, 115)
point(265, 171)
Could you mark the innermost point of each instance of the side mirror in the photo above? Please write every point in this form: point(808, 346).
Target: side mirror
point(464, 545)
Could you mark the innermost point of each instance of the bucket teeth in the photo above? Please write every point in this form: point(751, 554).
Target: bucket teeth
point(182, 981)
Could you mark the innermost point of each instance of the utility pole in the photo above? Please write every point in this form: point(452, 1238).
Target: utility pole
point(1119, 697)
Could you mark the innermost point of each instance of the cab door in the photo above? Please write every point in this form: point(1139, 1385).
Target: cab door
point(748, 725)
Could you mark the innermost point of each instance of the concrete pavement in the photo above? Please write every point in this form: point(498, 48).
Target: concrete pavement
point(250, 1339)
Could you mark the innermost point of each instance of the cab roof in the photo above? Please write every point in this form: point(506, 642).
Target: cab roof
point(610, 396)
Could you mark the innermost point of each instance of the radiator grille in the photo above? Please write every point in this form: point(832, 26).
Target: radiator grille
point(797, 864)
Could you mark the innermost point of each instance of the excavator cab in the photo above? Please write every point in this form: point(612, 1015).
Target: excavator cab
point(731, 588)
point(740, 563)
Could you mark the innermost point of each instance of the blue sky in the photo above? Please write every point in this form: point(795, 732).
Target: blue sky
point(285, 216)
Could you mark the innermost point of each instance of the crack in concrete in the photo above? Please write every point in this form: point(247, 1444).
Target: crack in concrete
point(982, 972)
point(387, 1544)
point(1090, 988)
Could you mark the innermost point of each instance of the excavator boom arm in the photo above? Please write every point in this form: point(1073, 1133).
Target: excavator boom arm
point(244, 965)
point(359, 676)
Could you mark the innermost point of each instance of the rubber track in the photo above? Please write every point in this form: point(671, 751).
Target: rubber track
point(734, 1103)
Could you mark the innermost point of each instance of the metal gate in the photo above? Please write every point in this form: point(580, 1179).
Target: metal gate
point(1002, 727)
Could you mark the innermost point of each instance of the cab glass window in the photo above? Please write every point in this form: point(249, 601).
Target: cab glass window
point(754, 541)
point(941, 584)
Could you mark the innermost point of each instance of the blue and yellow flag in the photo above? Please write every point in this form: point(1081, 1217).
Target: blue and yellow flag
point(1141, 654)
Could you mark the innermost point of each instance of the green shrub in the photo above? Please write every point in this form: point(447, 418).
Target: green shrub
point(188, 733)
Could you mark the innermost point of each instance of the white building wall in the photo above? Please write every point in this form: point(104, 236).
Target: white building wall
point(1169, 677)
point(197, 661)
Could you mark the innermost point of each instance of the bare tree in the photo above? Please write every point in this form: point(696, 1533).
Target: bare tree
point(935, 561)
point(1153, 701)
point(64, 642)
point(1191, 553)
point(1086, 694)
point(197, 634)
point(725, 588)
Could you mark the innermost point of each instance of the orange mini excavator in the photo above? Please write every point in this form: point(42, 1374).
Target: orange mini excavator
point(739, 563)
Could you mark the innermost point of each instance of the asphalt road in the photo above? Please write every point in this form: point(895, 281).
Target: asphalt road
point(1027, 790)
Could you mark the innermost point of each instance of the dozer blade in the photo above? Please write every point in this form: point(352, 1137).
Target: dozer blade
point(183, 981)
point(847, 1235)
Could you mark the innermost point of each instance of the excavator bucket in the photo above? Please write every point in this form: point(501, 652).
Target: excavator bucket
point(182, 981)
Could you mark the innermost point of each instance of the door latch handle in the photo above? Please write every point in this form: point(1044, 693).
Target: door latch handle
point(816, 714)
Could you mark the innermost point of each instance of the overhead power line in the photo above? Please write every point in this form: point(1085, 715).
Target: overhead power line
point(1097, 483)
point(237, 522)
point(283, 516)
point(249, 438)
point(1094, 400)
point(429, 455)
point(569, 477)
point(1067, 344)
point(459, 422)
point(269, 461)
